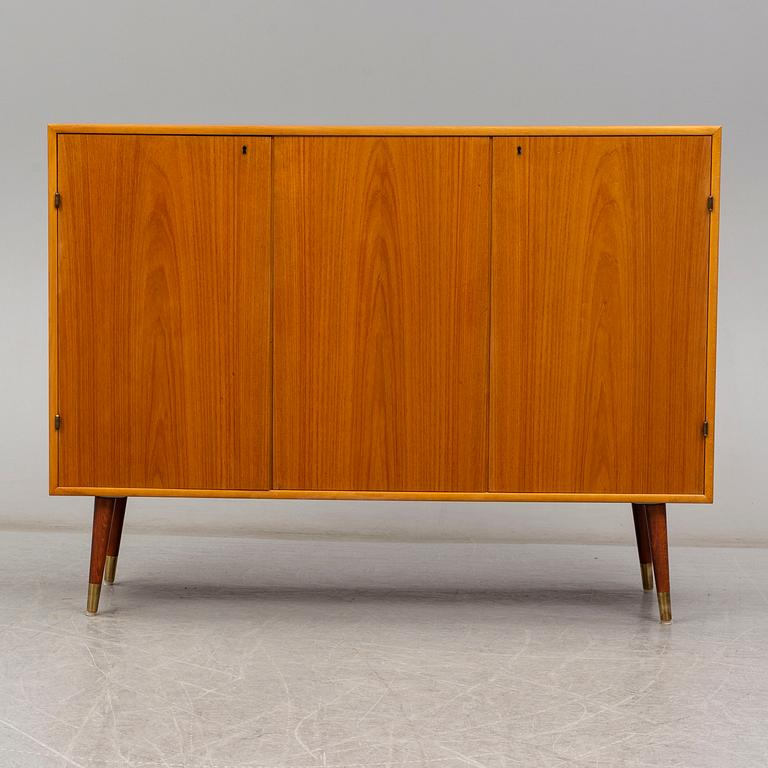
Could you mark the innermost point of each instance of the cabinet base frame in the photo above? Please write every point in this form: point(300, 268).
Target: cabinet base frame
point(650, 529)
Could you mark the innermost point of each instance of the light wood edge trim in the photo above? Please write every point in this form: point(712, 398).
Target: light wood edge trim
point(714, 235)
point(53, 288)
point(638, 498)
point(393, 130)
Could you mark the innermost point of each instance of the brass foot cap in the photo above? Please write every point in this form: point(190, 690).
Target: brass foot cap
point(110, 566)
point(665, 608)
point(647, 570)
point(94, 592)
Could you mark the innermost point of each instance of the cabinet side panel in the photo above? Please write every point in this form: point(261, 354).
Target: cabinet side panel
point(714, 237)
point(148, 368)
point(602, 305)
point(381, 313)
point(53, 334)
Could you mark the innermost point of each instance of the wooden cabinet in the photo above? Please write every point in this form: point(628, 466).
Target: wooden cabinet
point(418, 313)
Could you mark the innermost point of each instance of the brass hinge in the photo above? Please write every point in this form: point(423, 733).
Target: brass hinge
point(57, 422)
point(57, 200)
point(710, 203)
point(705, 428)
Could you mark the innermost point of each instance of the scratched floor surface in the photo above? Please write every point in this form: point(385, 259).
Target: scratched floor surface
point(248, 653)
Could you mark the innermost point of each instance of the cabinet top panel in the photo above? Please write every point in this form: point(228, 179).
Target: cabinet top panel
point(392, 130)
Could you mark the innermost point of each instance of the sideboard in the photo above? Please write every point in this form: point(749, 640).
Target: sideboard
point(433, 313)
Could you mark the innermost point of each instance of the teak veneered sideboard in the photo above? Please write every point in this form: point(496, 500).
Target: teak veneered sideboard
point(383, 313)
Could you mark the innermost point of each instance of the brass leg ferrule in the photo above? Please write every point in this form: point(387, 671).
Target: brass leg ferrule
point(94, 592)
point(665, 608)
point(110, 566)
point(647, 570)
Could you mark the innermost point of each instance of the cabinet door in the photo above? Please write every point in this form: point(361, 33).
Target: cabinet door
point(599, 314)
point(163, 312)
point(381, 313)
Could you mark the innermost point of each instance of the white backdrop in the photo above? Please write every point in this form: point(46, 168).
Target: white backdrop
point(396, 62)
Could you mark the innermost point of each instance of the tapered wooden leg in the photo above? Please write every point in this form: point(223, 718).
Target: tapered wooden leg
point(643, 545)
point(102, 520)
point(113, 544)
point(657, 528)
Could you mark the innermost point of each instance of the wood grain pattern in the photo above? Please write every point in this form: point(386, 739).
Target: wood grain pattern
point(599, 326)
point(381, 313)
point(252, 319)
point(153, 377)
point(108, 190)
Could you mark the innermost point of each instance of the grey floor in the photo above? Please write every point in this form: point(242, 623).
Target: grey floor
point(235, 653)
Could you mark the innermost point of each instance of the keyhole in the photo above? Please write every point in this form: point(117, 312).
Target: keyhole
point(245, 149)
point(519, 150)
